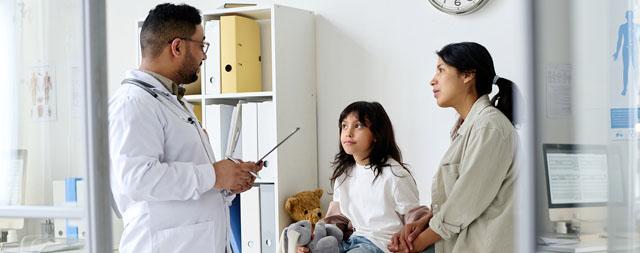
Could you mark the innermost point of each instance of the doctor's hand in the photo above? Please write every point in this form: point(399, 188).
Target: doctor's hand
point(252, 169)
point(232, 176)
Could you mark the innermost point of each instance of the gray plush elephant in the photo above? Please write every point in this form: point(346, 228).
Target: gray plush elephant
point(326, 237)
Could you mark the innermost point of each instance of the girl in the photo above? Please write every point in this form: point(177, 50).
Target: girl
point(371, 185)
point(473, 189)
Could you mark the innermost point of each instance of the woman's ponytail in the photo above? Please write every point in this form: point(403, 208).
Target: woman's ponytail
point(507, 98)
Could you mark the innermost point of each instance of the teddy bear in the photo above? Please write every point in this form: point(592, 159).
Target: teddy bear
point(304, 208)
point(305, 205)
point(325, 239)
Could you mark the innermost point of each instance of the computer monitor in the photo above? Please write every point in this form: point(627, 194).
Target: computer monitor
point(13, 165)
point(577, 180)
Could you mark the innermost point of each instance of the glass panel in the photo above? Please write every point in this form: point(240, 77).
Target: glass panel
point(43, 154)
point(587, 125)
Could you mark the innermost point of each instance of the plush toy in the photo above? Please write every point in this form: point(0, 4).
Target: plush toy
point(326, 237)
point(305, 206)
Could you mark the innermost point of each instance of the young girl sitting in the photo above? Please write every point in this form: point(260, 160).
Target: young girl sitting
point(371, 185)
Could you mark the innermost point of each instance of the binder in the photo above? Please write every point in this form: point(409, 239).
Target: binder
point(241, 68)
point(234, 217)
point(217, 125)
point(250, 132)
point(250, 220)
point(212, 64)
point(69, 192)
point(267, 218)
point(267, 140)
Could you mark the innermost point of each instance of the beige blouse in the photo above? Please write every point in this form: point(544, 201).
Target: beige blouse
point(473, 190)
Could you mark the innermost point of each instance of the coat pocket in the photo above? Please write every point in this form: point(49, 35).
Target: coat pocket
point(450, 175)
point(200, 237)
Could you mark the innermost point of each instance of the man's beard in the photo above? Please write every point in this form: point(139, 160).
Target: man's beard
point(188, 73)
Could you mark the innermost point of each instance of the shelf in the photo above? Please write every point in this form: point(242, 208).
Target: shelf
point(231, 97)
point(234, 97)
point(242, 95)
point(254, 12)
point(41, 212)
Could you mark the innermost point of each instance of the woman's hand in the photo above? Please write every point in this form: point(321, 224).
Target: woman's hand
point(302, 249)
point(404, 238)
point(395, 246)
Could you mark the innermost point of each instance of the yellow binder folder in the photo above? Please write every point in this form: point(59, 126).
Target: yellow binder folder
point(241, 69)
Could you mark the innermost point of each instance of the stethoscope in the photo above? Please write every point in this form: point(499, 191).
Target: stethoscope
point(176, 109)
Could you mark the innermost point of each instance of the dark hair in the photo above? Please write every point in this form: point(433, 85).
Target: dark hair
point(166, 22)
point(372, 115)
point(471, 57)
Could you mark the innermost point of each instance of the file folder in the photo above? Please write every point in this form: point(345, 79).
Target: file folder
point(234, 216)
point(241, 68)
point(268, 218)
point(69, 192)
point(267, 140)
point(212, 64)
point(217, 124)
point(250, 131)
point(250, 220)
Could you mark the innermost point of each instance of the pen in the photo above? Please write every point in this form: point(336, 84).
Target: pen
point(261, 160)
point(236, 161)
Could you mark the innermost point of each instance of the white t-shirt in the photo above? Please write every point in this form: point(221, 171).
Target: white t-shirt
point(376, 208)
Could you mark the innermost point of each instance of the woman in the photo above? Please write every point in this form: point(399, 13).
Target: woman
point(473, 189)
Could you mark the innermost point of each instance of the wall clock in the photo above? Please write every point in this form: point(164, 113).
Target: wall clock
point(458, 7)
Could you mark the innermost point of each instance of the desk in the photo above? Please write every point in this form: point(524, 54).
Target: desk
point(571, 249)
point(592, 245)
point(75, 247)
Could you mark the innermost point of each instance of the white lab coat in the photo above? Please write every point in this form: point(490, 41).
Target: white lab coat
point(161, 177)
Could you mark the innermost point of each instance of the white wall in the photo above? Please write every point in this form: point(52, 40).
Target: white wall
point(377, 51)
point(385, 51)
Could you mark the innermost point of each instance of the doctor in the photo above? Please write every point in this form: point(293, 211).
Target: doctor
point(172, 195)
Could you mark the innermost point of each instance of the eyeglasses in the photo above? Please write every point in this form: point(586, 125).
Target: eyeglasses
point(204, 44)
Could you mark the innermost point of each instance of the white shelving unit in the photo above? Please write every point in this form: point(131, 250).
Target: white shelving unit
point(289, 81)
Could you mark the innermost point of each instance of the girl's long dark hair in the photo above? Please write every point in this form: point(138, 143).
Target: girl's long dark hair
point(473, 57)
point(372, 115)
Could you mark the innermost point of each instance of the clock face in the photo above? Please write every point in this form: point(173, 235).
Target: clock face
point(458, 7)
